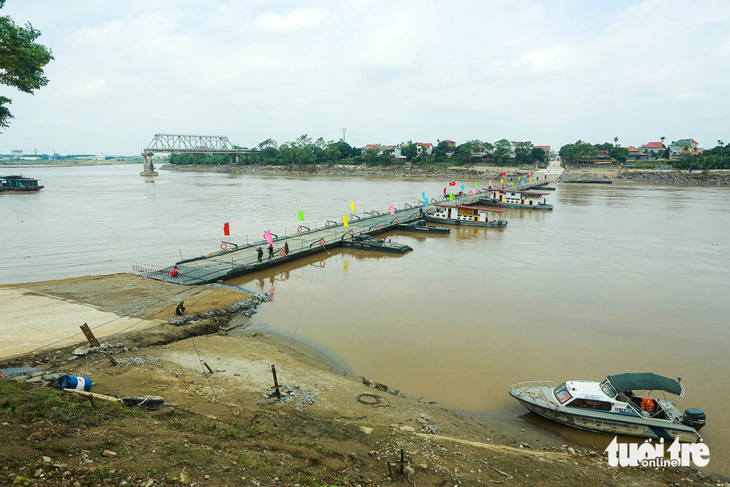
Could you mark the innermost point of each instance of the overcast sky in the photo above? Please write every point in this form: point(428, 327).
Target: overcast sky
point(550, 72)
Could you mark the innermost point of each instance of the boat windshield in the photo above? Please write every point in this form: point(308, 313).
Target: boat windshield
point(607, 389)
point(562, 394)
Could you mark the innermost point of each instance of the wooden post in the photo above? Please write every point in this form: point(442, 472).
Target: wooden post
point(89, 335)
point(94, 342)
point(276, 383)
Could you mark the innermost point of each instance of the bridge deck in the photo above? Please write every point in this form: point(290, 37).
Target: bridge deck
point(234, 262)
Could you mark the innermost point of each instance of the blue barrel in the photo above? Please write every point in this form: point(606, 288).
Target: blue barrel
point(71, 382)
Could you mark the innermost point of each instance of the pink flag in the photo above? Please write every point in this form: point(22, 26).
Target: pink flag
point(392, 209)
point(267, 236)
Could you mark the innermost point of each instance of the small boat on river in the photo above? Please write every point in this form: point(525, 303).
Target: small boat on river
point(621, 404)
point(528, 200)
point(19, 183)
point(464, 215)
point(366, 242)
point(421, 227)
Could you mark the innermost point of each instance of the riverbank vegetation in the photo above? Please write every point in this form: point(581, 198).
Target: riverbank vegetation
point(584, 152)
point(305, 151)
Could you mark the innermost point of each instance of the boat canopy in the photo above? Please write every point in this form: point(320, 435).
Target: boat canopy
point(645, 381)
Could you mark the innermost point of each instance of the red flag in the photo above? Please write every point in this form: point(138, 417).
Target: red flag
point(502, 173)
point(444, 190)
point(226, 230)
point(452, 183)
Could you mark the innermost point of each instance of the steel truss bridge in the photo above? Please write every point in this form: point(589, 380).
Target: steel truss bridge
point(190, 144)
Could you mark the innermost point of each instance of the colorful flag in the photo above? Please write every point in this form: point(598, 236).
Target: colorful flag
point(392, 209)
point(451, 196)
point(226, 230)
point(301, 216)
point(344, 220)
point(476, 185)
point(267, 236)
point(452, 183)
point(462, 187)
point(352, 206)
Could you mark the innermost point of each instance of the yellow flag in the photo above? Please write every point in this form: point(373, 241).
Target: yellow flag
point(352, 206)
point(344, 220)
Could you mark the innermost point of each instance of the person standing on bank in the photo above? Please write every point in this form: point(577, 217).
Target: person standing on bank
point(271, 251)
point(261, 254)
point(180, 310)
point(286, 248)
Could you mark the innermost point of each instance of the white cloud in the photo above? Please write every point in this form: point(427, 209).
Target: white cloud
point(551, 72)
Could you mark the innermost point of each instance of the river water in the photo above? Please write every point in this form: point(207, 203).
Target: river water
point(618, 278)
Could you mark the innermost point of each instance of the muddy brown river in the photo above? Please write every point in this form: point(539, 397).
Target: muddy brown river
point(618, 278)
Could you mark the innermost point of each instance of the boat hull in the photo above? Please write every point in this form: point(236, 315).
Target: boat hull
point(390, 248)
point(614, 423)
point(492, 202)
point(451, 221)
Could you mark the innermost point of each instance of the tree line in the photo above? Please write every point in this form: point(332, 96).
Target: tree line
point(305, 151)
point(715, 158)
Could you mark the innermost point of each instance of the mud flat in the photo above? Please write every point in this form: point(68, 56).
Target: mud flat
point(222, 426)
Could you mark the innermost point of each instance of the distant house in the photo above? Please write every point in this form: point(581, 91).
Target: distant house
point(682, 146)
point(450, 142)
point(653, 147)
point(426, 147)
point(374, 147)
point(636, 154)
point(601, 154)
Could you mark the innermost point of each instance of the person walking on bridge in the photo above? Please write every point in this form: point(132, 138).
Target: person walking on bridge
point(286, 248)
point(271, 251)
point(260, 253)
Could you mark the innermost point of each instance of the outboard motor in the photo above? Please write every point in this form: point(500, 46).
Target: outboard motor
point(694, 418)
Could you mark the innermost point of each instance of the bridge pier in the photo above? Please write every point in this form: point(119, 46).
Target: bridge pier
point(233, 158)
point(149, 167)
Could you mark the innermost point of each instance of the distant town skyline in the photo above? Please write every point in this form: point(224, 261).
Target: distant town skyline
point(389, 72)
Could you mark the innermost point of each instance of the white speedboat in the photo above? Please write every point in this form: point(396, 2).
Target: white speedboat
point(463, 215)
point(621, 404)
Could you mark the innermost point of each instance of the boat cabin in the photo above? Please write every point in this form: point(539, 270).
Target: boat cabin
point(19, 183)
point(463, 213)
point(603, 396)
point(530, 198)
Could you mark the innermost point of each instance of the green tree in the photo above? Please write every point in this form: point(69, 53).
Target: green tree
point(21, 61)
point(440, 151)
point(409, 150)
point(538, 154)
point(501, 148)
point(522, 152)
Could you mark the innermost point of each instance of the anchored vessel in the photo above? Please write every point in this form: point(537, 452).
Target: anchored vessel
point(529, 200)
point(464, 215)
point(366, 242)
point(19, 183)
point(421, 227)
point(621, 404)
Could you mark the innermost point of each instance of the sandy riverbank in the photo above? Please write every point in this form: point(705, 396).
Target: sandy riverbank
point(335, 428)
point(555, 173)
